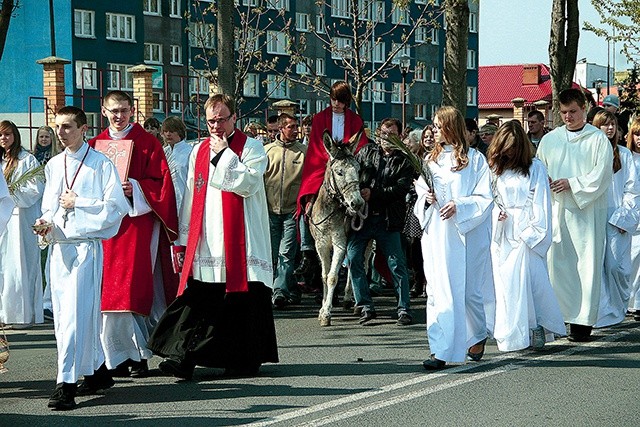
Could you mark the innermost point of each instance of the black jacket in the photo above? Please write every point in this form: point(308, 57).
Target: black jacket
point(389, 178)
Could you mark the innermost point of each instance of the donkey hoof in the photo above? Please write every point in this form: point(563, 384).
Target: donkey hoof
point(325, 321)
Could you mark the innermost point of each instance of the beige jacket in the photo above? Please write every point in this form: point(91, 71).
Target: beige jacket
point(283, 175)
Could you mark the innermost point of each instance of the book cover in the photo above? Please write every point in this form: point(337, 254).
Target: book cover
point(119, 152)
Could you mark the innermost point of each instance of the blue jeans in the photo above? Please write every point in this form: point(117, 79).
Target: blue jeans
point(390, 244)
point(284, 247)
point(306, 239)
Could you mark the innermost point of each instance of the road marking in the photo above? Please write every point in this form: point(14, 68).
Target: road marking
point(429, 390)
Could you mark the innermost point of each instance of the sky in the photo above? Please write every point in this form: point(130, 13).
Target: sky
point(517, 32)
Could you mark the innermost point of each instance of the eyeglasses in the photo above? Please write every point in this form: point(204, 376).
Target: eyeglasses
point(219, 122)
point(117, 112)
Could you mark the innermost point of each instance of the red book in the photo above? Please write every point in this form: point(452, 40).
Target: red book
point(177, 257)
point(119, 152)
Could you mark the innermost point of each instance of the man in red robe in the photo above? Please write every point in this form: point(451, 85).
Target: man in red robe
point(342, 124)
point(130, 298)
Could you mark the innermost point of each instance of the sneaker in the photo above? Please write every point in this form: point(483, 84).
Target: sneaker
point(367, 315)
point(63, 397)
point(404, 319)
point(48, 315)
point(176, 368)
point(538, 339)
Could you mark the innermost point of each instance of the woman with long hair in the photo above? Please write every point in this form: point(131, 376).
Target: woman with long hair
point(633, 144)
point(455, 243)
point(21, 283)
point(46, 144)
point(623, 215)
point(527, 310)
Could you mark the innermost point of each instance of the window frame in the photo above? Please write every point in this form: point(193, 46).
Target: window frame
point(92, 15)
point(126, 19)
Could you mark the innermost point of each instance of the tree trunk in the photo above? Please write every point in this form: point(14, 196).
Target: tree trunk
point(226, 60)
point(454, 82)
point(5, 18)
point(563, 49)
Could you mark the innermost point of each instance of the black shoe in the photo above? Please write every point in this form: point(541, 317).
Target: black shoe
point(367, 315)
point(477, 356)
point(177, 369)
point(305, 265)
point(96, 383)
point(579, 333)
point(122, 370)
point(279, 302)
point(433, 364)
point(139, 369)
point(63, 397)
point(404, 319)
point(48, 315)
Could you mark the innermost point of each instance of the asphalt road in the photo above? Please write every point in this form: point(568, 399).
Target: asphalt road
point(351, 375)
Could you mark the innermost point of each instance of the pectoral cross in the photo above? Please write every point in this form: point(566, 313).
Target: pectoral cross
point(65, 217)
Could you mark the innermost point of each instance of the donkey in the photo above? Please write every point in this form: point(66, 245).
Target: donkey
point(338, 199)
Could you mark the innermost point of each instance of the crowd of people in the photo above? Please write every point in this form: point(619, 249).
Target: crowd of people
point(508, 234)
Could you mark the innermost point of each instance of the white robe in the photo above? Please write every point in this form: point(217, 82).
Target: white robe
point(75, 257)
point(6, 204)
point(457, 261)
point(624, 204)
point(579, 217)
point(243, 176)
point(634, 299)
point(21, 284)
point(524, 296)
point(178, 159)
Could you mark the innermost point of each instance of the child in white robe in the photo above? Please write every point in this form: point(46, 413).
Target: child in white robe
point(633, 144)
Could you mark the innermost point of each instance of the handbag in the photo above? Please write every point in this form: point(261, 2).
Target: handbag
point(4, 351)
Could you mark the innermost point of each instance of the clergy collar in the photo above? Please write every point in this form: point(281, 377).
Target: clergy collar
point(79, 153)
point(114, 134)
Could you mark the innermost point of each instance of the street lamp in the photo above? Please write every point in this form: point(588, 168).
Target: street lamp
point(405, 63)
point(598, 85)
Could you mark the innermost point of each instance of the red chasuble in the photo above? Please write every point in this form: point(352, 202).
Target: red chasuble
point(315, 161)
point(233, 226)
point(128, 277)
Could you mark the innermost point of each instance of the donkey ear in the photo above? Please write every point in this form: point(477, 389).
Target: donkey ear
point(354, 140)
point(328, 143)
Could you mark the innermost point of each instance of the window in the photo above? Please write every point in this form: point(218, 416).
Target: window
point(339, 47)
point(119, 77)
point(434, 108)
point(434, 36)
point(404, 51)
point(320, 24)
point(176, 9)
point(320, 67)
point(378, 11)
point(378, 91)
point(158, 104)
point(366, 93)
point(473, 23)
point(121, 27)
point(302, 22)
point(277, 87)
point(400, 16)
point(84, 23)
point(471, 59)
point(92, 124)
point(340, 8)
point(176, 102)
point(305, 106)
point(176, 54)
point(86, 75)
point(420, 111)
point(201, 35)
point(321, 105)
point(396, 94)
point(251, 85)
point(252, 3)
point(435, 75)
point(246, 39)
point(422, 34)
point(277, 43)
point(153, 53)
point(420, 73)
point(304, 66)
point(379, 51)
point(278, 4)
point(198, 84)
point(472, 95)
point(364, 9)
point(151, 7)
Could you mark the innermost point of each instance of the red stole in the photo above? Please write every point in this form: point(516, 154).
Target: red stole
point(235, 252)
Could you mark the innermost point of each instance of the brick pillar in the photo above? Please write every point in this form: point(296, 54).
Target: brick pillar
point(518, 109)
point(53, 86)
point(143, 91)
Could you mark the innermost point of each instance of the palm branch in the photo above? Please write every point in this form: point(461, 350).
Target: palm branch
point(31, 174)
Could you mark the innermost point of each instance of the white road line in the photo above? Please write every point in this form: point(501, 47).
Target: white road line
point(425, 378)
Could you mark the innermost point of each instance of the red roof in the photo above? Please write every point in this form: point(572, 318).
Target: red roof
point(499, 84)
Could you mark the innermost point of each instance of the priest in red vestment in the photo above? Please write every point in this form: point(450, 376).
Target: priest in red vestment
point(130, 295)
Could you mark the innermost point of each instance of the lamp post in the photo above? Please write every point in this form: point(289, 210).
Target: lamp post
point(405, 63)
point(598, 90)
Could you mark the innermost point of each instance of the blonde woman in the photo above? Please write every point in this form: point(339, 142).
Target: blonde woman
point(46, 144)
point(455, 243)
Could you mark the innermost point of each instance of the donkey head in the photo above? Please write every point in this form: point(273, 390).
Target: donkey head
point(342, 178)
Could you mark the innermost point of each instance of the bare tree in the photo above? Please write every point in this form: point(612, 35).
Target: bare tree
point(6, 11)
point(563, 49)
point(623, 17)
point(454, 87)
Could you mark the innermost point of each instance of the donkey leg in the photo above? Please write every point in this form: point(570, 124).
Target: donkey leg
point(324, 253)
point(332, 278)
